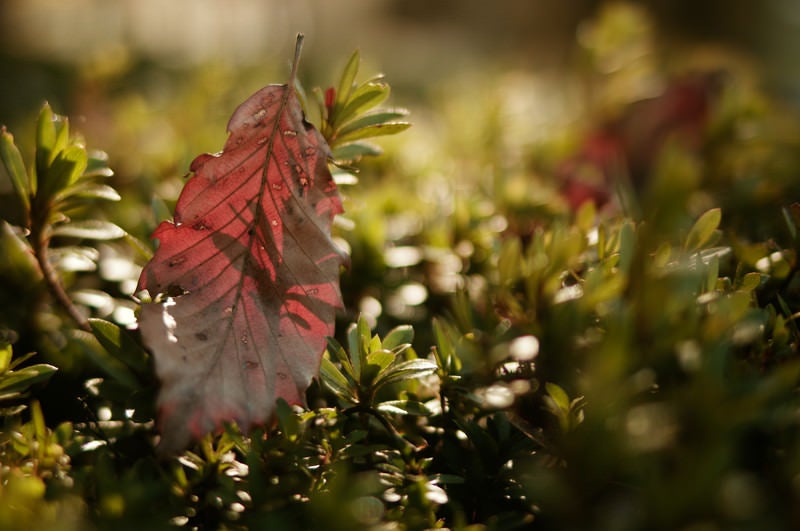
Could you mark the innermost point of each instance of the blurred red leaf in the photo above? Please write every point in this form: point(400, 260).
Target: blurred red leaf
point(247, 275)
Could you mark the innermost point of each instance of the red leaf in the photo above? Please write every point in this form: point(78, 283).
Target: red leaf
point(248, 274)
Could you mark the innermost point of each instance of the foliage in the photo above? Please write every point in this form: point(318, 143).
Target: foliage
point(508, 357)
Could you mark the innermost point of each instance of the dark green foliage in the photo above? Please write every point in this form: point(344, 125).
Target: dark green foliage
point(507, 360)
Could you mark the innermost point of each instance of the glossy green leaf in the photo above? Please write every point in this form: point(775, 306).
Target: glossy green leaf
point(558, 395)
point(90, 190)
point(109, 364)
point(416, 368)
point(20, 380)
point(89, 229)
point(336, 381)
point(120, 344)
point(347, 80)
point(353, 151)
point(377, 362)
point(5, 357)
point(370, 120)
point(365, 97)
point(45, 140)
point(703, 229)
point(399, 336)
point(15, 167)
point(374, 130)
point(68, 165)
point(338, 352)
point(751, 281)
point(404, 407)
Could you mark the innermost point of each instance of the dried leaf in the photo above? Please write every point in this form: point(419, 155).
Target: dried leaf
point(246, 278)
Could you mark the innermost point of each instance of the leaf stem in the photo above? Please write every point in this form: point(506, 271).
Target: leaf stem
point(40, 243)
point(297, 49)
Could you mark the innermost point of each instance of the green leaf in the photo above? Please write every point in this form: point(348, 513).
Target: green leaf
point(377, 362)
point(558, 395)
point(399, 336)
point(341, 356)
point(703, 229)
point(68, 165)
point(404, 407)
point(5, 357)
point(287, 420)
point(45, 139)
point(369, 120)
point(89, 229)
point(355, 150)
point(90, 190)
point(416, 368)
point(336, 381)
point(373, 131)
point(112, 366)
point(20, 380)
point(120, 344)
point(15, 167)
point(364, 97)
point(347, 79)
point(750, 281)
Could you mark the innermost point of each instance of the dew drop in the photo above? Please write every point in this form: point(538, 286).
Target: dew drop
point(289, 132)
point(262, 140)
point(277, 186)
point(244, 338)
point(228, 310)
point(310, 151)
point(274, 222)
point(313, 291)
point(303, 182)
point(200, 225)
point(281, 375)
point(259, 114)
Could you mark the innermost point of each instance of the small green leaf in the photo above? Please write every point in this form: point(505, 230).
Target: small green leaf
point(377, 362)
point(5, 357)
point(68, 165)
point(15, 167)
point(120, 344)
point(45, 139)
point(20, 380)
point(89, 229)
point(558, 395)
point(355, 150)
point(347, 79)
point(404, 407)
point(399, 336)
point(91, 190)
point(703, 229)
point(341, 356)
point(750, 281)
point(370, 120)
point(627, 245)
point(509, 261)
point(336, 381)
point(112, 366)
point(287, 420)
point(416, 368)
point(363, 98)
point(373, 131)
point(584, 218)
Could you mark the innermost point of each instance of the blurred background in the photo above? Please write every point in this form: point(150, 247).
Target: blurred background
point(509, 100)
